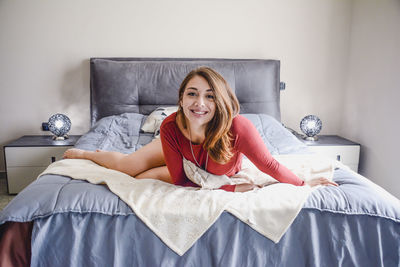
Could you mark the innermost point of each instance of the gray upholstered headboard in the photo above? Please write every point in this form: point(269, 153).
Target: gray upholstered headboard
point(140, 85)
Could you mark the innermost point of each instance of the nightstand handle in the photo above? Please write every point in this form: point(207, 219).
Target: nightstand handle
point(53, 159)
point(338, 157)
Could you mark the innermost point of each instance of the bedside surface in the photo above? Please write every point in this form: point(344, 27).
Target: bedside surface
point(329, 140)
point(43, 140)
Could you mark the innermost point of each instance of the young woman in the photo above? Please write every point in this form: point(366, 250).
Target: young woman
point(207, 130)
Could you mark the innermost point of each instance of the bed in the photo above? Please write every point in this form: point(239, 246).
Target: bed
point(59, 221)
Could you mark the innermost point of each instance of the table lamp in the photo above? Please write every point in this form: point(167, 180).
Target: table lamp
point(311, 125)
point(59, 125)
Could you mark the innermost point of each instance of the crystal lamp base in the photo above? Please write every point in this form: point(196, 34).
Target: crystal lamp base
point(311, 138)
point(59, 138)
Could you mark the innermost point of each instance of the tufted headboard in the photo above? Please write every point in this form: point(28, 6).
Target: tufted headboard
point(140, 85)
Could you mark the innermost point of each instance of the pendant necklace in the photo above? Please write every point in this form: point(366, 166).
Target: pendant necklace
point(191, 149)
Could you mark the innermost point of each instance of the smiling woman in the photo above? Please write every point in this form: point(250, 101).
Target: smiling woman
point(206, 130)
point(206, 91)
point(198, 105)
point(198, 101)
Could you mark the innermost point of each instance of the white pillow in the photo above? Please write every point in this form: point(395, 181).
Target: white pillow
point(154, 120)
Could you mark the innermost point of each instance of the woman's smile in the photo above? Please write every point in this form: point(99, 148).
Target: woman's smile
point(199, 112)
point(198, 102)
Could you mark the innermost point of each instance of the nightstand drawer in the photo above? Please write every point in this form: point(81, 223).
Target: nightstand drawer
point(337, 148)
point(30, 155)
point(33, 156)
point(346, 154)
point(20, 177)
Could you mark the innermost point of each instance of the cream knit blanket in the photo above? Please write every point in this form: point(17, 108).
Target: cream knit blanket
point(179, 216)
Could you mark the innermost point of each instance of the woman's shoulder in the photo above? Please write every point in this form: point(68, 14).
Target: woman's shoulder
point(242, 126)
point(240, 122)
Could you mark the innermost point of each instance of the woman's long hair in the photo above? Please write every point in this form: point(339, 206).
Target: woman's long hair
point(218, 136)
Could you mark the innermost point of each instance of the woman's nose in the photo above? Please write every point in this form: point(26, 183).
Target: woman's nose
point(200, 101)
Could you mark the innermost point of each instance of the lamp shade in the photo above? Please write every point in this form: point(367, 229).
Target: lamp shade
point(59, 125)
point(311, 125)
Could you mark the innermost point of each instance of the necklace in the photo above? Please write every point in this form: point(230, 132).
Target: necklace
point(191, 149)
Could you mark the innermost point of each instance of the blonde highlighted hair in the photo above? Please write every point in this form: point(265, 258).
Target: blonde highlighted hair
point(218, 136)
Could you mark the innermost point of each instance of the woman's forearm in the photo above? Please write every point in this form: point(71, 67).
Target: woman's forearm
point(245, 187)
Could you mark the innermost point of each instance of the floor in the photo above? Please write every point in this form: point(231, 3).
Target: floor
point(4, 196)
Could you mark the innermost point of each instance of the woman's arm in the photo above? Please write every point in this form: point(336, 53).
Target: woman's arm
point(320, 181)
point(251, 144)
point(245, 187)
point(173, 157)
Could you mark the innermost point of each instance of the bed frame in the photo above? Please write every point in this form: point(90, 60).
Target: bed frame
point(140, 85)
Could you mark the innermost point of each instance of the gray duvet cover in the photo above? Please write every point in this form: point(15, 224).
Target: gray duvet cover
point(80, 224)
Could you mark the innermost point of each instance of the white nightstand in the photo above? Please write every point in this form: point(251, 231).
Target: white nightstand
point(29, 155)
point(336, 147)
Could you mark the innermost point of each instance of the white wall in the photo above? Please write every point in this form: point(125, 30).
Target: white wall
point(45, 47)
point(350, 83)
point(372, 95)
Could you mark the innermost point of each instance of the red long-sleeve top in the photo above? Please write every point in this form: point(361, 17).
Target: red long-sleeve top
point(246, 140)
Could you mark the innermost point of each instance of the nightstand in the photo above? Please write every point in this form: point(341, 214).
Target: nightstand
point(30, 155)
point(336, 147)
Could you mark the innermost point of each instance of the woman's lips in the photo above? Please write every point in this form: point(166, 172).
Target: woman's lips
point(199, 112)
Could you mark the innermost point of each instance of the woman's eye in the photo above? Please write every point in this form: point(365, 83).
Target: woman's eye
point(191, 94)
point(210, 96)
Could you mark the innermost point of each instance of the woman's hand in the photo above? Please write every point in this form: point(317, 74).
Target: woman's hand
point(245, 187)
point(320, 181)
point(74, 153)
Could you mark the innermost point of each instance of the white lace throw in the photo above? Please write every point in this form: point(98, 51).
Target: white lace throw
point(179, 216)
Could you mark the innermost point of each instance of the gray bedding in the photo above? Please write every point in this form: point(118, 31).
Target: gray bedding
point(122, 133)
point(80, 224)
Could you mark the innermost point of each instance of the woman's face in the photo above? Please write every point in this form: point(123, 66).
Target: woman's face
point(198, 102)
